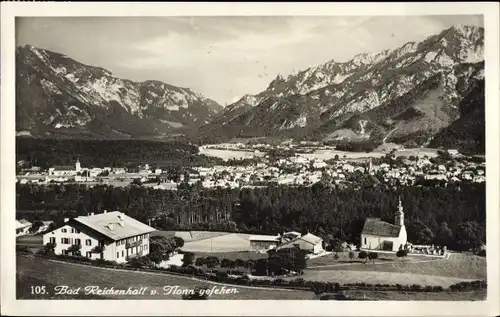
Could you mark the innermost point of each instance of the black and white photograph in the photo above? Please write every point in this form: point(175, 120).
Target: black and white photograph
point(214, 157)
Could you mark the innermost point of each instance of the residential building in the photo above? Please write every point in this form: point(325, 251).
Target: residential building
point(263, 242)
point(308, 242)
point(381, 235)
point(111, 236)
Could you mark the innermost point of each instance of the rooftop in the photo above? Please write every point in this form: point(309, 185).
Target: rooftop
point(115, 225)
point(311, 238)
point(263, 238)
point(377, 227)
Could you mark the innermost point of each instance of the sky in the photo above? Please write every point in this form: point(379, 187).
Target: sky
point(224, 57)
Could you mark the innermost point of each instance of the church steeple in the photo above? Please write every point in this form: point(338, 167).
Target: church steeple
point(78, 167)
point(399, 219)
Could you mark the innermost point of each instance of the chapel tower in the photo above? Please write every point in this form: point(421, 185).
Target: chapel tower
point(399, 219)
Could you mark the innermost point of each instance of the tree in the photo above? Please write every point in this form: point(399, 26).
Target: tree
point(336, 256)
point(249, 265)
point(239, 263)
point(179, 242)
point(469, 235)
point(444, 235)
point(402, 253)
point(363, 255)
point(199, 261)
point(373, 256)
point(49, 248)
point(211, 262)
point(75, 249)
point(419, 233)
point(160, 248)
point(35, 226)
point(224, 263)
point(231, 265)
point(139, 262)
point(188, 259)
point(351, 255)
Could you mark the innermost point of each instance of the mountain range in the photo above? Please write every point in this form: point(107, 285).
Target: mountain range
point(58, 94)
point(408, 95)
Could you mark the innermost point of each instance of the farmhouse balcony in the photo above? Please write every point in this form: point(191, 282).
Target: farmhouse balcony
point(129, 245)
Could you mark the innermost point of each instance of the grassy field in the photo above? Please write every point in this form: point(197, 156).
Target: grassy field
point(232, 242)
point(44, 272)
point(377, 277)
point(463, 266)
point(406, 296)
point(35, 271)
point(343, 259)
point(190, 236)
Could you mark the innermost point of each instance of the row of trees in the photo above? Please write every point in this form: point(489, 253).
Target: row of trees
point(114, 153)
point(277, 262)
point(432, 214)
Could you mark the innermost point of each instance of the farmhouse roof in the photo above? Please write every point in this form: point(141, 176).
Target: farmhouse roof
point(22, 224)
point(311, 238)
point(263, 238)
point(115, 225)
point(377, 227)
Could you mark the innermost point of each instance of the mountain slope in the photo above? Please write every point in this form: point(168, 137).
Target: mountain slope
point(55, 92)
point(410, 92)
point(467, 133)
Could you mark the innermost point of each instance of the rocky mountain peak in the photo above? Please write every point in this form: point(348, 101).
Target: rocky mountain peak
point(55, 91)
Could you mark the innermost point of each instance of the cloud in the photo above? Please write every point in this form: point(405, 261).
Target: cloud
point(224, 56)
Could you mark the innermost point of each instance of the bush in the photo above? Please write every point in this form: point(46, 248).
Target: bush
point(221, 276)
point(468, 286)
point(482, 253)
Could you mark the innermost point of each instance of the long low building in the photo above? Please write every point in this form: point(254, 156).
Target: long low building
point(263, 242)
point(111, 236)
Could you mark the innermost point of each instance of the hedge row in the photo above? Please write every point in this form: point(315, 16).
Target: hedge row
point(298, 283)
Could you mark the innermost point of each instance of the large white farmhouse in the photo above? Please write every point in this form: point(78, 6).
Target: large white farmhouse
point(381, 235)
point(111, 236)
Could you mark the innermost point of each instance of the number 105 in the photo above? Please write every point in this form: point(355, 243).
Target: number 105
point(38, 290)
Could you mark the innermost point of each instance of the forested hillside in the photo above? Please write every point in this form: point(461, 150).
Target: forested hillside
point(113, 153)
point(270, 210)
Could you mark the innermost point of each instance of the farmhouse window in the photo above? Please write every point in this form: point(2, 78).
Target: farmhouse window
point(117, 254)
point(89, 254)
point(64, 240)
point(78, 241)
point(88, 242)
point(122, 254)
point(52, 240)
point(64, 230)
point(365, 240)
